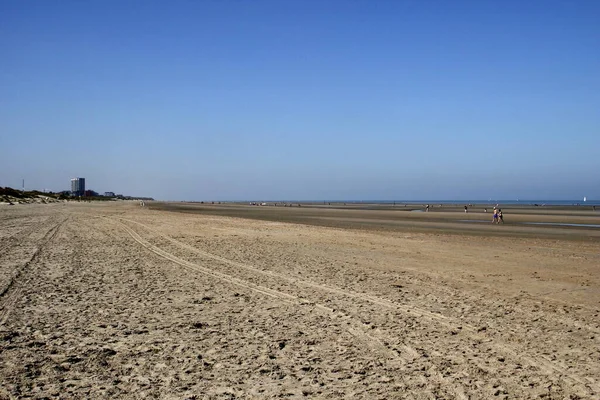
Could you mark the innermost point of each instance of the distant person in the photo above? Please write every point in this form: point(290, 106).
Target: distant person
point(485, 210)
point(427, 208)
point(495, 217)
point(500, 217)
point(466, 209)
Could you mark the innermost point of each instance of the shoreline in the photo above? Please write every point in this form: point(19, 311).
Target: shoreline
point(522, 222)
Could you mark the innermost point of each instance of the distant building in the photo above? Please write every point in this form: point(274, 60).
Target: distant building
point(109, 194)
point(78, 186)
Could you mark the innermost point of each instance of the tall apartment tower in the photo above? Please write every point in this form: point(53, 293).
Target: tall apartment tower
point(78, 186)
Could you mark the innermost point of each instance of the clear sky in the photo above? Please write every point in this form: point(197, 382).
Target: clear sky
point(355, 100)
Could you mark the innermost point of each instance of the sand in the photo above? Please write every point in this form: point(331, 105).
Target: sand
point(119, 301)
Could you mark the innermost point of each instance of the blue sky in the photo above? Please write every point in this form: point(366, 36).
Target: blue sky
point(225, 100)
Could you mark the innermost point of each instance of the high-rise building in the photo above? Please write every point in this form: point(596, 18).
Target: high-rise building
point(78, 186)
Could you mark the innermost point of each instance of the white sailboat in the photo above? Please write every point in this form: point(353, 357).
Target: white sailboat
point(584, 198)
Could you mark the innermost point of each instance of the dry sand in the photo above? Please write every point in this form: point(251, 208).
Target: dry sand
point(120, 301)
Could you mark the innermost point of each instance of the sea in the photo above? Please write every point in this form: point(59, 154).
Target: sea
point(588, 202)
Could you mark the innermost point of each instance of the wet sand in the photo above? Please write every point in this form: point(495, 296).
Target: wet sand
point(232, 301)
point(522, 221)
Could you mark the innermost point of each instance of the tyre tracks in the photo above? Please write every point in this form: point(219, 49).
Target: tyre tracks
point(545, 366)
point(11, 293)
point(446, 321)
point(14, 239)
point(396, 357)
point(357, 330)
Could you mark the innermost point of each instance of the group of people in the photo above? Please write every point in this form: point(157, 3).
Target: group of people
point(498, 218)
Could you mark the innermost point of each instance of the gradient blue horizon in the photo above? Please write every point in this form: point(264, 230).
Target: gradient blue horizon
point(346, 100)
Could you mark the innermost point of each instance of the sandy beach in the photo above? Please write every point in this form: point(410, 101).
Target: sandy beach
point(198, 301)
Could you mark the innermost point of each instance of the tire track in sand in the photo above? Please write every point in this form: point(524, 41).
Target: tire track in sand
point(545, 366)
point(16, 238)
point(416, 312)
point(358, 330)
point(12, 291)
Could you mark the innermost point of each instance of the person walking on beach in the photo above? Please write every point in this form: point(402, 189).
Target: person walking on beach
point(466, 210)
point(500, 217)
point(495, 218)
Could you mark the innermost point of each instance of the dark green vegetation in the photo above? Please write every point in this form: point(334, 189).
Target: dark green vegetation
point(25, 195)
point(7, 193)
